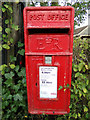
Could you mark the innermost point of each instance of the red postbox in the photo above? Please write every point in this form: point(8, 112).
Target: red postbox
point(48, 53)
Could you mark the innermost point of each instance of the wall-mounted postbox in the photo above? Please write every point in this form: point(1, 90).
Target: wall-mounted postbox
point(48, 53)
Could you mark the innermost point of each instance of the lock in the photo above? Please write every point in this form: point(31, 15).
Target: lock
point(48, 59)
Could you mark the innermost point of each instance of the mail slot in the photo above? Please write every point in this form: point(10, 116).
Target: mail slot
point(48, 33)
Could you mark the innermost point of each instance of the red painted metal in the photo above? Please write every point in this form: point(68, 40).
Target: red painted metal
point(48, 31)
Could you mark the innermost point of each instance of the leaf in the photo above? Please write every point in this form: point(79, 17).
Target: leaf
point(0, 39)
point(3, 9)
point(0, 28)
point(87, 116)
point(16, 1)
point(9, 97)
point(6, 5)
point(79, 115)
point(22, 72)
point(20, 44)
point(80, 66)
point(10, 9)
point(85, 109)
point(87, 82)
point(86, 66)
point(84, 69)
point(11, 40)
point(21, 104)
point(80, 93)
point(5, 103)
point(43, 114)
point(6, 21)
point(14, 109)
point(70, 106)
point(2, 72)
point(18, 97)
point(72, 96)
point(9, 75)
point(8, 42)
point(75, 69)
point(16, 27)
point(59, 118)
point(25, 116)
point(76, 90)
point(12, 66)
point(16, 87)
point(67, 85)
point(24, 81)
point(0, 47)
point(4, 35)
point(75, 115)
point(2, 67)
point(8, 82)
point(13, 26)
point(1, 81)
point(77, 74)
point(16, 68)
point(5, 46)
point(85, 90)
point(12, 59)
point(21, 52)
point(7, 30)
point(89, 104)
point(46, 118)
point(64, 89)
point(60, 87)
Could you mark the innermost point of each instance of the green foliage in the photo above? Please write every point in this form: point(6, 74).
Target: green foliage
point(7, 30)
point(21, 52)
point(0, 28)
point(14, 91)
point(3, 9)
point(44, 4)
point(60, 87)
point(80, 80)
point(15, 27)
point(20, 44)
point(7, 40)
point(6, 21)
point(65, 87)
point(14, 99)
point(6, 46)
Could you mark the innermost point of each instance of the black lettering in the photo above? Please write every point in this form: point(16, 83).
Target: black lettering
point(49, 82)
point(47, 72)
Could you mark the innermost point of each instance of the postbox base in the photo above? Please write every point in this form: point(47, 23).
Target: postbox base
point(54, 112)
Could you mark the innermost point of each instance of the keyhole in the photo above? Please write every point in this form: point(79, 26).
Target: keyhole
point(36, 84)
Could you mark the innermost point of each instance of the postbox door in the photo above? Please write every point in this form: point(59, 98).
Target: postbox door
point(51, 98)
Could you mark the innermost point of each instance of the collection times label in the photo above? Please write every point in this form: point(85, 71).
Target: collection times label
point(48, 81)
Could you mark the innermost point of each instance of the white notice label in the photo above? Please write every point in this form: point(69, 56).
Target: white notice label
point(48, 81)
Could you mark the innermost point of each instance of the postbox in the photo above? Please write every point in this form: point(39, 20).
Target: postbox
point(48, 33)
